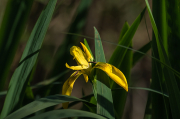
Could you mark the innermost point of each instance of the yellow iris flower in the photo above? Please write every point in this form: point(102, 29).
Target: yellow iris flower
point(84, 61)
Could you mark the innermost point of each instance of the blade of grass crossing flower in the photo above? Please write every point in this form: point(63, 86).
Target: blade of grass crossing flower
point(100, 57)
point(137, 56)
point(104, 95)
point(11, 33)
point(67, 113)
point(42, 104)
point(171, 84)
point(20, 76)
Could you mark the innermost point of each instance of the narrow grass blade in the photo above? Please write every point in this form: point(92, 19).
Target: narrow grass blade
point(138, 56)
point(159, 104)
point(42, 104)
point(143, 88)
point(122, 58)
point(119, 96)
point(171, 84)
point(119, 52)
point(11, 30)
point(59, 114)
point(20, 76)
point(125, 28)
point(104, 95)
point(100, 57)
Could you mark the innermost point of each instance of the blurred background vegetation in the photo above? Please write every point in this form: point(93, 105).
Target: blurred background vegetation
point(78, 17)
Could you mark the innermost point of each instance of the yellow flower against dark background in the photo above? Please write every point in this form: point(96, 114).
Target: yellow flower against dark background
point(84, 61)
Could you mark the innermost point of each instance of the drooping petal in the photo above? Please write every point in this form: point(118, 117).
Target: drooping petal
point(80, 67)
point(85, 77)
point(88, 54)
point(68, 86)
point(114, 73)
point(78, 55)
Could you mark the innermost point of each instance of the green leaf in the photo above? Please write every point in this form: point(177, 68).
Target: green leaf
point(119, 96)
point(122, 57)
point(100, 57)
point(159, 104)
point(99, 52)
point(59, 114)
point(171, 84)
point(42, 104)
point(124, 30)
point(137, 56)
point(20, 76)
point(126, 40)
point(11, 30)
point(102, 92)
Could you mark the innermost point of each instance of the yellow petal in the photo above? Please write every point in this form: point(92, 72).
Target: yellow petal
point(68, 86)
point(85, 77)
point(78, 55)
point(114, 73)
point(80, 67)
point(88, 54)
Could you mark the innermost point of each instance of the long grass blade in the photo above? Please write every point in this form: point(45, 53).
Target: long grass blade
point(119, 52)
point(122, 58)
point(42, 104)
point(59, 114)
point(171, 84)
point(11, 30)
point(20, 76)
point(119, 97)
point(104, 95)
point(143, 88)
